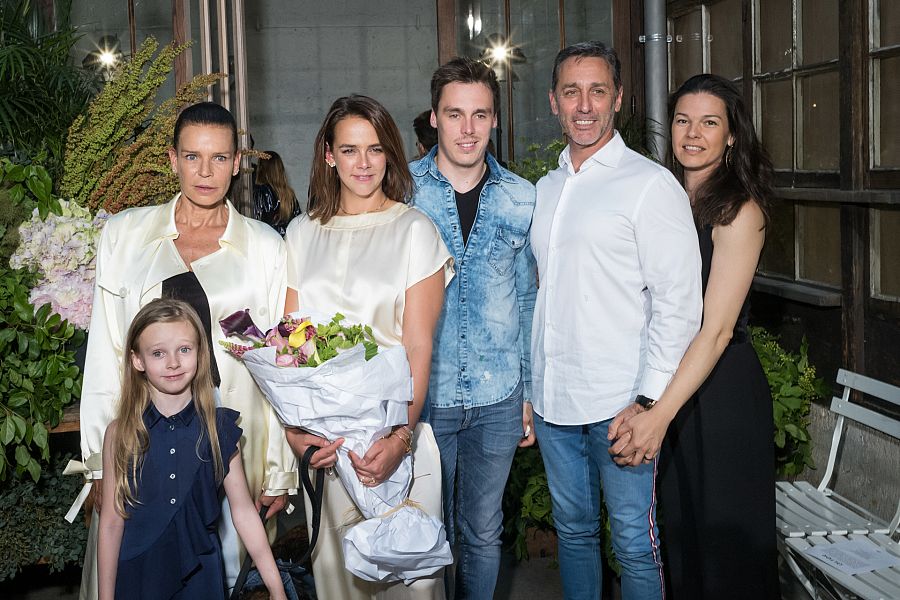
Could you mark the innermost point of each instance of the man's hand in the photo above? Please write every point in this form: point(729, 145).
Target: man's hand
point(275, 503)
point(300, 440)
point(528, 436)
point(639, 437)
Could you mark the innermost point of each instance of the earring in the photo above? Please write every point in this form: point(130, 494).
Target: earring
point(330, 163)
point(728, 157)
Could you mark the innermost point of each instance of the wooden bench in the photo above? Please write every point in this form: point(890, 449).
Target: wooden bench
point(811, 516)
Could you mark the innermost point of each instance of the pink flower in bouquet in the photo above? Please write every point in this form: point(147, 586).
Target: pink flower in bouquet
point(287, 360)
point(274, 338)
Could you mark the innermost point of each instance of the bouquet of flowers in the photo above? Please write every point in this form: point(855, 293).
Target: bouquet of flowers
point(61, 249)
point(355, 391)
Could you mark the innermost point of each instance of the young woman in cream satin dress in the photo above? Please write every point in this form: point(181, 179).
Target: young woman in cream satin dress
point(362, 251)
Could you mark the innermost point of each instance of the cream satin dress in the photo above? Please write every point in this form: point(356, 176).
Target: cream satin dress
point(135, 254)
point(361, 266)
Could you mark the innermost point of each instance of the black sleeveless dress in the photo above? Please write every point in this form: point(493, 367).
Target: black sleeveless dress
point(716, 478)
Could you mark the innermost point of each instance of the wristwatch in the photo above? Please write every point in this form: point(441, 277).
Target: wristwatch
point(645, 402)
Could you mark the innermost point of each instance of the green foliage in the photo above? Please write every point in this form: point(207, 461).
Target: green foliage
point(32, 527)
point(41, 91)
point(333, 337)
point(794, 386)
point(539, 160)
point(29, 186)
point(38, 375)
point(12, 215)
point(116, 153)
point(526, 501)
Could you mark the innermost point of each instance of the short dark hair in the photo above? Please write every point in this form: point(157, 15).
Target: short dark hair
point(425, 133)
point(464, 70)
point(205, 113)
point(324, 183)
point(589, 50)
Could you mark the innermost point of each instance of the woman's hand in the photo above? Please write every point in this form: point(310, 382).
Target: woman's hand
point(300, 440)
point(640, 437)
point(528, 436)
point(380, 462)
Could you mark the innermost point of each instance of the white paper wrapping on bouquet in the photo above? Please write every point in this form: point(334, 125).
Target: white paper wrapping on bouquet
point(361, 401)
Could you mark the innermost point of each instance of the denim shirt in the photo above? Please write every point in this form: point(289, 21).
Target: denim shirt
point(482, 343)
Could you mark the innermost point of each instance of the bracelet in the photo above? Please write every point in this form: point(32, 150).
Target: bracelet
point(403, 432)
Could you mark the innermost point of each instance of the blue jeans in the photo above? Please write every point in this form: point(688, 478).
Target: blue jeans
point(577, 461)
point(477, 448)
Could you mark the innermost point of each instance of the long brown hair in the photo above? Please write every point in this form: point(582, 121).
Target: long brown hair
point(745, 171)
point(132, 440)
point(270, 171)
point(324, 183)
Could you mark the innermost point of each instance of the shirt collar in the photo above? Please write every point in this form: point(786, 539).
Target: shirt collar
point(152, 416)
point(608, 155)
point(162, 225)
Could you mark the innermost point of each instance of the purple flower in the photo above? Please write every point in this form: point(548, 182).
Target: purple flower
point(236, 350)
point(241, 324)
point(274, 338)
point(307, 350)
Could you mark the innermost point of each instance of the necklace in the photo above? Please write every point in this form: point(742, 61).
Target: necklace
point(365, 212)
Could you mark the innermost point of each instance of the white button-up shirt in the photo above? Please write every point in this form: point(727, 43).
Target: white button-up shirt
point(620, 294)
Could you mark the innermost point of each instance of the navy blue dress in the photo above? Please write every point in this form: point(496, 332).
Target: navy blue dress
point(170, 548)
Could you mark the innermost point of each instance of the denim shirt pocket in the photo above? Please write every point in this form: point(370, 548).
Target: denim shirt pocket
point(506, 243)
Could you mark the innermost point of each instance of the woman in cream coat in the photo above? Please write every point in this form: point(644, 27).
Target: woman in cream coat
point(148, 252)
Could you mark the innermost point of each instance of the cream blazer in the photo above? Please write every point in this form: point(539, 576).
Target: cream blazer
point(135, 254)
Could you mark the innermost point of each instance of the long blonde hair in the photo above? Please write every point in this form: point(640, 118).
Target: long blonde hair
point(132, 440)
point(271, 171)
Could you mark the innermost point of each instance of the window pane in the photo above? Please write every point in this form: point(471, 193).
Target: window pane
point(888, 248)
point(820, 150)
point(820, 243)
point(686, 47)
point(889, 23)
point(820, 31)
point(585, 20)
point(726, 39)
point(777, 116)
point(778, 253)
point(775, 38)
point(886, 117)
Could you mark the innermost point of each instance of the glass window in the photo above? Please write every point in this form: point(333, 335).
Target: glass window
point(886, 113)
point(777, 115)
point(819, 31)
point(778, 253)
point(819, 113)
point(819, 232)
point(687, 47)
point(886, 252)
point(726, 39)
point(586, 20)
point(776, 42)
point(887, 25)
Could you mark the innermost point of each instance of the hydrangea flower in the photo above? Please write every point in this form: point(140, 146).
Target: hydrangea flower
point(62, 251)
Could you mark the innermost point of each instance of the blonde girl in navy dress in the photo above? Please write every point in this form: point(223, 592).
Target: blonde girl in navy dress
point(170, 451)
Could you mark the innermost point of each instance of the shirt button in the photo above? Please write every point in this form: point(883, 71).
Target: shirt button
point(171, 450)
point(171, 428)
point(172, 501)
point(172, 476)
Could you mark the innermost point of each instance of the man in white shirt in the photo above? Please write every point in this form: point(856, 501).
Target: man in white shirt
point(618, 304)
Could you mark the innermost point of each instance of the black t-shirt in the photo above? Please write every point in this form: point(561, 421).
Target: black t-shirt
point(467, 205)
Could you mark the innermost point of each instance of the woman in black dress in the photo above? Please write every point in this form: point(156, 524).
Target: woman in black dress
point(714, 421)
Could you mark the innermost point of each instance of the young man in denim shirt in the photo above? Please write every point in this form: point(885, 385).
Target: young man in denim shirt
point(480, 382)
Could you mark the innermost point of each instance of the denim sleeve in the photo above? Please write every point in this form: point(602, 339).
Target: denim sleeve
point(526, 291)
